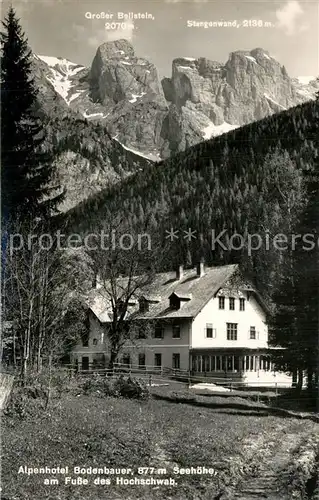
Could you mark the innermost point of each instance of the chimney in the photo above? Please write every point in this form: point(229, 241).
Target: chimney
point(96, 282)
point(200, 269)
point(179, 272)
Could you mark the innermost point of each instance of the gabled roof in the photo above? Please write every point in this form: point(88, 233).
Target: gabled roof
point(182, 296)
point(98, 305)
point(200, 288)
point(150, 298)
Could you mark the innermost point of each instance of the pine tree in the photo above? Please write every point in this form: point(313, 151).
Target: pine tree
point(307, 281)
point(27, 171)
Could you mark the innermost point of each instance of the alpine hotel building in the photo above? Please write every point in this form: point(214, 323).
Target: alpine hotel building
point(209, 321)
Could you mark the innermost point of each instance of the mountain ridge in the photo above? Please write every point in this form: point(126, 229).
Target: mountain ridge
point(148, 119)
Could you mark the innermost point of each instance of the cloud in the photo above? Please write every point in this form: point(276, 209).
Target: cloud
point(96, 36)
point(288, 17)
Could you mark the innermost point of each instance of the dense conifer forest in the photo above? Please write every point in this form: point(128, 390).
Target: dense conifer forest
point(250, 180)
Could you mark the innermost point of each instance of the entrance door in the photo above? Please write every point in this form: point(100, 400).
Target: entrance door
point(176, 361)
point(158, 360)
point(85, 362)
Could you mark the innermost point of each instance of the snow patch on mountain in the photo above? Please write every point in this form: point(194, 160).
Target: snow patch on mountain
point(76, 95)
point(64, 65)
point(189, 58)
point(61, 84)
point(136, 96)
point(213, 130)
point(102, 115)
point(148, 156)
point(251, 59)
point(305, 80)
point(274, 102)
point(62, 71)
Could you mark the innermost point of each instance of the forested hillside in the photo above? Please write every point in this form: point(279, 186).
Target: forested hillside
point(87, 158)
point(247, 181)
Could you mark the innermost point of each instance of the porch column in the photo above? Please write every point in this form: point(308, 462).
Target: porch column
point(232, 364)
point(257, 363)
point(242, 363)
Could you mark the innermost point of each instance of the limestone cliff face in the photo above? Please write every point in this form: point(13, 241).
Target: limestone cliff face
point(153, 118)
point(130, 90)
point(209, 98)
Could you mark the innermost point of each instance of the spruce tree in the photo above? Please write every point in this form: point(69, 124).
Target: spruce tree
point(307, 280)
point(26, 169)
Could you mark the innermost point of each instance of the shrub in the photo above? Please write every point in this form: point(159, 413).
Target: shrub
point(22, 404)
point(128, 387)
point(120, 386)
point(17, 405)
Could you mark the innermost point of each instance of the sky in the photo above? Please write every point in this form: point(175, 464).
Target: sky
point(288, 30)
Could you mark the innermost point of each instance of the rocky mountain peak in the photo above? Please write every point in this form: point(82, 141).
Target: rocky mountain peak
point(202, 98)
point(115, 49)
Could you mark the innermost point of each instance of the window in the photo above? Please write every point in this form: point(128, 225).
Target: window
point(85, 363)
point(176, 332)
point(144, 306)
point(159, 332)
point(158, 360)
point(221, 302)
point(176, 362)
point(127, 360)
point(252, 333)
point(210, 331)
point(141, 359)
point(174, 302)
point(231, 303)
point(94, 341)
point(241, 304)
point(231, 331)
point(141, 333)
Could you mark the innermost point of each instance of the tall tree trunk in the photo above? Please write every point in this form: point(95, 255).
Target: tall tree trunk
point(50, 380)
point(310, 379)
point(114, 354)
point(299, 380)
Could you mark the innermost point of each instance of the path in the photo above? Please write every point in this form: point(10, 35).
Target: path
point(271, 477)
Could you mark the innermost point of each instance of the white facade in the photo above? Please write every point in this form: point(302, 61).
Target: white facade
point(253, 316)
point(227, 337)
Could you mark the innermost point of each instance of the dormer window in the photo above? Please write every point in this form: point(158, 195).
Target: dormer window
point(144, 305)
point(231, 303)
point(145, 302)
point(174, 302)
point(177, 300)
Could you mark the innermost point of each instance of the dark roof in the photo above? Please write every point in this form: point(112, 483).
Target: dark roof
point(197, 289)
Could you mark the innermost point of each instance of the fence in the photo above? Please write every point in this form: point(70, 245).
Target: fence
point(160, 375)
